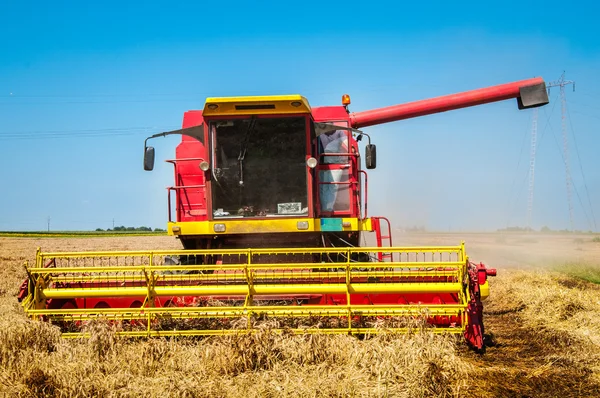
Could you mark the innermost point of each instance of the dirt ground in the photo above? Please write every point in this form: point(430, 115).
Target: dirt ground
point(543, 328)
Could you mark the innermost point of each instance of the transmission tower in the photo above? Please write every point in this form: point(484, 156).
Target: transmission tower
point(532, 166)
point(563, 102)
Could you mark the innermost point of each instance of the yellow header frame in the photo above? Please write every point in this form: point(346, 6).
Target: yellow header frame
point(249, 226)
point(256, 105)
point(146, 277)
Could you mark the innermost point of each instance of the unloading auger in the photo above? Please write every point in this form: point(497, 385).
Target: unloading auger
point(271, 205)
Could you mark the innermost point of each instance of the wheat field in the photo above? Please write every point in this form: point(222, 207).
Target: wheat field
point(543, 326)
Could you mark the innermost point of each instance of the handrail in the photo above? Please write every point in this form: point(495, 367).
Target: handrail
point(175, 187)
point(174, 161)
point(338, 154)
point(365, 191)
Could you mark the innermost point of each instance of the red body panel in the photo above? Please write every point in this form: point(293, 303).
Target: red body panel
point(191, 202)
point(330, 113)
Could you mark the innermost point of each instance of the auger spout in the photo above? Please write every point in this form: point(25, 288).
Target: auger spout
point(529, 93)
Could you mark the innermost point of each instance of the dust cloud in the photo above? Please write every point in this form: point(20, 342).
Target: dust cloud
point(513, 250)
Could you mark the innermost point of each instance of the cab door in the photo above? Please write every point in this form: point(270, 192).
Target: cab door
point(337, 187)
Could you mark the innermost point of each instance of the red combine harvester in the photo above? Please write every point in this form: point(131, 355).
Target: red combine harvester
point(270, 204)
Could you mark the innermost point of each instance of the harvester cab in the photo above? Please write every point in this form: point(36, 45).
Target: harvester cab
point(270, 201)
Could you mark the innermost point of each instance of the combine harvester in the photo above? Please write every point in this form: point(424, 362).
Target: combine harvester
point(270, 203)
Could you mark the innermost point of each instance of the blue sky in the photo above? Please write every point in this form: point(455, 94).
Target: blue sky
point(82, 85)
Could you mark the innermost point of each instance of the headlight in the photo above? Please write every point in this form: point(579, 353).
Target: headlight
point(302, 225)
point(311, 162)
point(219, 227)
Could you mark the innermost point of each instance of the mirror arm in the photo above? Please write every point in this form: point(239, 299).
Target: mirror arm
point(368, 137)
point(196, 132)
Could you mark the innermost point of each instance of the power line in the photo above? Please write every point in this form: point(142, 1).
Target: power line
point(587, 114)
point(13, 98)
point(582, 173)
point(547, 122)
point(561, 82)
point(532, 166)
point(87, 130)
point(12, 95)
point(196, 94)
point(571, 180)
point(82, 133)
point(511, 207)
point(95, 102)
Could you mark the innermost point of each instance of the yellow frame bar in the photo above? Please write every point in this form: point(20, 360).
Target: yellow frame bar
point(290, 250)
point(242, 290)
point(266, 225)
point(229, 332)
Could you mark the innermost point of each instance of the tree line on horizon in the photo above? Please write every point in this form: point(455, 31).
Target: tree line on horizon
point(130, 229)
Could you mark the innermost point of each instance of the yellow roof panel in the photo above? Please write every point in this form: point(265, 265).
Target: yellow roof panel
point(256, 105)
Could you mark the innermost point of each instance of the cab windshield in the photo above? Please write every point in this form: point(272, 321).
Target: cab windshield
point(258, 167)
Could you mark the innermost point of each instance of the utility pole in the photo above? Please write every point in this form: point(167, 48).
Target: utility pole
point(563, 100)
point(113, 223)
point(48, 223)
point(532, 167)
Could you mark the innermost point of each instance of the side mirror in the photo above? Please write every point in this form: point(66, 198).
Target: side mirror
point(370, 156)
point(148, 158)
